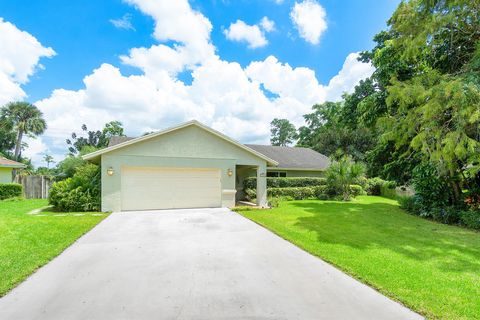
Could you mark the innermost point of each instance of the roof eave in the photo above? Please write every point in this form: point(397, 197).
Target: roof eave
point(13, 166)
point(297, 169)
point(95, 155)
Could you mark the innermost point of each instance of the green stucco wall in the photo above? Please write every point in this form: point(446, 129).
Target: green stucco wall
point(189, 147)
point(5, 175)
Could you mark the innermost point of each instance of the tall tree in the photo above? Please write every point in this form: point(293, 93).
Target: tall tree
point(25, 119)
point(97, 138)
point(329, 132)
point(283, 132)
point(48, 159)
point(436, 112)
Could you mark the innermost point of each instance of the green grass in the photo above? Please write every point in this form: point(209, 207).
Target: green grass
point(27, 242)
point(432, 268)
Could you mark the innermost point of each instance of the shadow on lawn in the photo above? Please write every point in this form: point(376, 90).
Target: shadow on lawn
point(388, 227)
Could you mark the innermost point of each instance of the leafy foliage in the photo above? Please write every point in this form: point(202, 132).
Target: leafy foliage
point(342, 174)
point(78, 193)
point(10, 190)
point(97, 139)
point(283, 132)
point(329, 132)
point(470, 219)
point(430, 189)
point(298, 193)
point(19, 119)
point(285, 182)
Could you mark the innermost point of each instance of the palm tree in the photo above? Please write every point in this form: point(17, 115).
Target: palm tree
point(343, 173)
point(48, 159)
point(26, 119)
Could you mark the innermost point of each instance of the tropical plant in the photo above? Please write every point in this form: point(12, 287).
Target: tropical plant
point(342, 174)
point(48, 159)
point(25, 119)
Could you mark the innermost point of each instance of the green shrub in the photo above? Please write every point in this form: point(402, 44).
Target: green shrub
point(377, 186)
point(373, 186)
point(431, 191)
point(447, 215)
point(408, 204)
point(388, 190)
point(343, 173)
point(298, 193)
point(78, 193)
point(250, 194)
point(357, 190)
point(10, 190)
point(470, 219)
point(251, 182)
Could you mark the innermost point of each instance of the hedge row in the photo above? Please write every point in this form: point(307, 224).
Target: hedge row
point(377, 186)
point(448, 215)
point(300, 193)
point(10, 190)
point(251, 182)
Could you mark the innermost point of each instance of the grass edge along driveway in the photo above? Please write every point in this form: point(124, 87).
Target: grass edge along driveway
point(28, 241)
point(431, 268)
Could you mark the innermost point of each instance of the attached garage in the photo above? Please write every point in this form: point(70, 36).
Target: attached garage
point(147, 188)
point(187, 166)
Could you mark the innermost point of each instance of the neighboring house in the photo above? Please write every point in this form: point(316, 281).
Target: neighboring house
point(6, 168)
point(190, 166)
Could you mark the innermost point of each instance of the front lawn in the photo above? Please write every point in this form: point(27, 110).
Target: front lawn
point(432, 268)
point(29, 241)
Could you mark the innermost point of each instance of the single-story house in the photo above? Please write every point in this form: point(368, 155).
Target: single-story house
point(6, 168)
point(192, 166)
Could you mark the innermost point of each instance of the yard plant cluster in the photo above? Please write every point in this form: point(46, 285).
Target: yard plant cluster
point(416, 119)
point(314, 188)
point(10, 190)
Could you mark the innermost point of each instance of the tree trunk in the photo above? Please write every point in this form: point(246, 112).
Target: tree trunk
point(456, 192)
point(18, 145)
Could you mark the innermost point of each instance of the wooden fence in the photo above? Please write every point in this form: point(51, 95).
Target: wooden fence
point(34, 187)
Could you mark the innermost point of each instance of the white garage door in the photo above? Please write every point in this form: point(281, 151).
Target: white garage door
point(168, 188)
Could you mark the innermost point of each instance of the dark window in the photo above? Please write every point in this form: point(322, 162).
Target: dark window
point(276, 174)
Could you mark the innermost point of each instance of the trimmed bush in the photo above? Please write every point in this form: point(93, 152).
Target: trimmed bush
point(10, 190)
point(388, 190)
point(251, 182)
point(298, 193)
point(470, 219)
point(379, 187)
point(78, 193)
point(357, 190)
point(250, 194)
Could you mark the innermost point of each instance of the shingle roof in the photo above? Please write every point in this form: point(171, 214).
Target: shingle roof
point(287, 157)
point(4, 162)
point(117, 140)
point(293, 157)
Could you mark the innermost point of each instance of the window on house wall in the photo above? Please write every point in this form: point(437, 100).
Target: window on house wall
point(276, 174)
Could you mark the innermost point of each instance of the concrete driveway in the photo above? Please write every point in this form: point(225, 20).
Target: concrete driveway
point(191, 264)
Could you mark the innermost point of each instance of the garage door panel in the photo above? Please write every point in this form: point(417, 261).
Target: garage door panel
point(165, 188)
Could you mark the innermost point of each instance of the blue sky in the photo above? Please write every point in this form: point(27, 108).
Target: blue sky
point(84, 39)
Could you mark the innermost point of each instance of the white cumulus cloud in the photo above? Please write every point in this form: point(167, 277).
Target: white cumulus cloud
point(20, 54)
point(221, 94)
point(253, 35)
point(123, 22)
point(309, 17)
